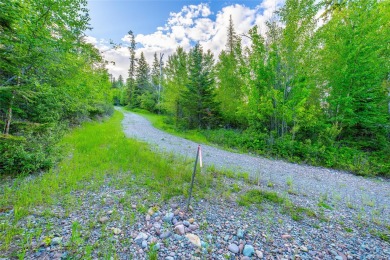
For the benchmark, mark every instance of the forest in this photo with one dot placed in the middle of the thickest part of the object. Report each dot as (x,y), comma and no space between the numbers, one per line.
(314,88)
(50,79)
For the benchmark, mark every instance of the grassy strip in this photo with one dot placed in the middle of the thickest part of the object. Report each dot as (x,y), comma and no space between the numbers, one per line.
(160,122)
(256,197)
(94,152)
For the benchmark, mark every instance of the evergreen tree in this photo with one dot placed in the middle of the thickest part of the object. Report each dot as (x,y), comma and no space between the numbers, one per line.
(130,82)
(144,93)
(198,99)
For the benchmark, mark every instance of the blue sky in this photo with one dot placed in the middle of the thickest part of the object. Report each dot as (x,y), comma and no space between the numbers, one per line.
(112,19)
(162,26)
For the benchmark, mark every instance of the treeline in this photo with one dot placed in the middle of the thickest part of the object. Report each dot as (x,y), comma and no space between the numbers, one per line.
(314,88)
(50,78)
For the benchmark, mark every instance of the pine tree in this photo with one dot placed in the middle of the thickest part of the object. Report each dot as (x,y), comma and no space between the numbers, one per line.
(130,82)
(198,99)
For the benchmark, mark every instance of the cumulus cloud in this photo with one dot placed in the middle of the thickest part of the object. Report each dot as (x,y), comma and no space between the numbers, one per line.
(192,24)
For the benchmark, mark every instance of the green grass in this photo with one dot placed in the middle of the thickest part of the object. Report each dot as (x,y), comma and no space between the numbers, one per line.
(257,197)
(94,153)
(161,122)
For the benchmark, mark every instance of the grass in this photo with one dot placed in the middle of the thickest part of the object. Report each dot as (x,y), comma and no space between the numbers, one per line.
(257,197)
(93,153)
(161,122)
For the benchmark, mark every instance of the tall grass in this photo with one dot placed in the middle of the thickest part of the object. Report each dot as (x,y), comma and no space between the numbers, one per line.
(93,153)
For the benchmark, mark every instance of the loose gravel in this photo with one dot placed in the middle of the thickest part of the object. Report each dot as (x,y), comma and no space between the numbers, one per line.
(315,183)
(120,219)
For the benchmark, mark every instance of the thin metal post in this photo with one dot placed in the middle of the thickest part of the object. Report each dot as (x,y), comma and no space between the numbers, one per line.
(193,178)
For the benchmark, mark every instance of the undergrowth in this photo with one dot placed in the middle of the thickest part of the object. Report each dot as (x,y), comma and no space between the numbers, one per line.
(94,152)
(322,152)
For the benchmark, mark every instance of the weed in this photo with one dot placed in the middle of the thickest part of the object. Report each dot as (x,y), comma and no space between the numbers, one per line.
(152,253)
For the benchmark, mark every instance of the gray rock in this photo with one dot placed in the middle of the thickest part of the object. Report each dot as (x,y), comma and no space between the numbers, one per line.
(259,254)
(186,223)
(56,241)
(165,235)
(240,233)
(248,250)
(103,219)
(338,258)
(141,237)
(180,230)
(144,244)
(156,246)
(168,217)
(169,258)
(177,237)
(193,227)
(233,248)
(174,221)
(157,225)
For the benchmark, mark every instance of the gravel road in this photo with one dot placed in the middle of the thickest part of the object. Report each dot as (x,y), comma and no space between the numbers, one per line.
(370,195)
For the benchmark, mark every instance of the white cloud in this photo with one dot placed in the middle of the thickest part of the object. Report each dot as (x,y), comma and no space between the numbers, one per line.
(191,24)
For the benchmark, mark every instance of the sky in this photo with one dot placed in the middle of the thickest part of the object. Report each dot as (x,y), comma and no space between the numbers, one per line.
(162,26)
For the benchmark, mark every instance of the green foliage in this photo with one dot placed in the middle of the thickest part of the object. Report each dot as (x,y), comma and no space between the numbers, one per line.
(199,107)
(50,77)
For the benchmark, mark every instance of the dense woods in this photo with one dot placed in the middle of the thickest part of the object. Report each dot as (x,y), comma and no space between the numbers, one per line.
(314,88)
(50,78)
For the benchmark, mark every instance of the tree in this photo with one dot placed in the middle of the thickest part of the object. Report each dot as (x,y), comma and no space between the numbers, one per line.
(176,78)
(355,63)
(230,83)
(130,82)
(144,93)
(198,99)
(49,78)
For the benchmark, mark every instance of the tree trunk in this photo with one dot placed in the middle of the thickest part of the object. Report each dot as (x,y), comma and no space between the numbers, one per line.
(9,115)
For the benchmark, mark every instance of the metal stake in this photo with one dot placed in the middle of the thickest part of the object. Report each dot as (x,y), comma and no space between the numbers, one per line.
(193,178)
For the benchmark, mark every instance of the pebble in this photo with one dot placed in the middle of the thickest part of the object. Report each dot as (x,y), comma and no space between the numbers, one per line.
(240,233)
(179,229)
(165,235)
(259,254)
(144,244)
(56,241)
(150,211)
(141,237)
(194,239)
(168,217)
(304,248)
(193,227)
(248,250)
(103,219)
(233,248)
(116,231)
(191,220)
(186,223)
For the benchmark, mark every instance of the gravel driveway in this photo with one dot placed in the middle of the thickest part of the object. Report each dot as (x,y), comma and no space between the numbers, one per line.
(313,183)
